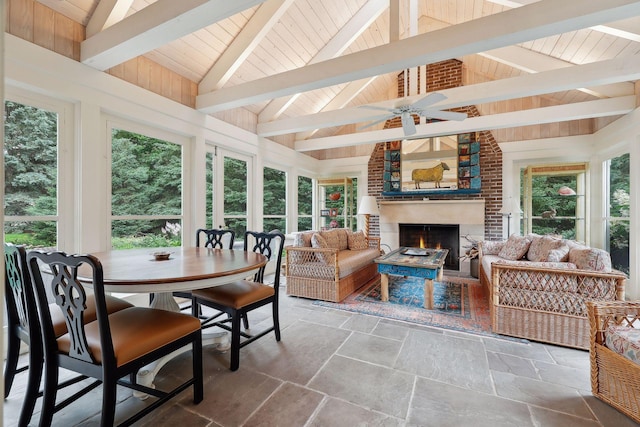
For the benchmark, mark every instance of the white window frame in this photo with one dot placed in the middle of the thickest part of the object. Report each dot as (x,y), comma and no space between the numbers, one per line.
(312,215)
(65,161)
(218,191)
(122,124)
(284,216)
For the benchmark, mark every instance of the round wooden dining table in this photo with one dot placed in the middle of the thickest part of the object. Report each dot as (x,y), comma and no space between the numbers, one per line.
(188,268)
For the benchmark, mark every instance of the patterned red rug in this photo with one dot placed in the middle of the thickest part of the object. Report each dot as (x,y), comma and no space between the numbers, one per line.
(460,304)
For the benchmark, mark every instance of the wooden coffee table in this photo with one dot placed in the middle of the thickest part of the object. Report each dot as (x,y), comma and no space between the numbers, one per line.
(413,262)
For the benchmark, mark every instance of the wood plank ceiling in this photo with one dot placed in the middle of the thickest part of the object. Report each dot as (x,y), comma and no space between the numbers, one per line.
(297,71)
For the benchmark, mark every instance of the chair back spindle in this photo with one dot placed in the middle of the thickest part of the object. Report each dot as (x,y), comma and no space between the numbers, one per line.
(216,238)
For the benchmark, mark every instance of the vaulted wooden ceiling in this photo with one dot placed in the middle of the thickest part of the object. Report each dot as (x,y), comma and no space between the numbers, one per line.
(301,69)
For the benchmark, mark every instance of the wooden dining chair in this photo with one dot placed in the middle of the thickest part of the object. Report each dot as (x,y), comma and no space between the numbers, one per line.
(238,298)
(110,349)
(216,238)
(23,326)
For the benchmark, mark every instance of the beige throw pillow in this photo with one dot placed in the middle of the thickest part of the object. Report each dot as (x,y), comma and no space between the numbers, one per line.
(357,241)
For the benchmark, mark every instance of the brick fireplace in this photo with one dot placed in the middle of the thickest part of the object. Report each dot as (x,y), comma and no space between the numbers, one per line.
(443,75)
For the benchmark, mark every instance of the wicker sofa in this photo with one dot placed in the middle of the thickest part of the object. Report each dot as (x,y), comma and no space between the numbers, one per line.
(614,354)
(539,291)
(330,265)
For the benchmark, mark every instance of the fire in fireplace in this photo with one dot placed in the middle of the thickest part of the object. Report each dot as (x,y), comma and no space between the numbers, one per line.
(436,236)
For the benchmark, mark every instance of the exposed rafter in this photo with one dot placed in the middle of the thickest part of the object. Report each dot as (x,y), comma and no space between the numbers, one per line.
(597,73)
(626,28)
(347,34)
(107,13)
(558,113)
(154,26)
(534,62)
(534,21)
(243,44)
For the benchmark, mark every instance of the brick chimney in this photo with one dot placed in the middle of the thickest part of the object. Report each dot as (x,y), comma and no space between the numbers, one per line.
(445,75)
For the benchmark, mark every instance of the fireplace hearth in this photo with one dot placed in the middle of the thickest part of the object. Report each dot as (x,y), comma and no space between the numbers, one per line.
(436,236)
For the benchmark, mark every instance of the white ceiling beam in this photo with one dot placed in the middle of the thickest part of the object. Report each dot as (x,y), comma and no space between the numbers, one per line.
(362,19)
(267,15)
(343,98)
(538,20)
(596,73)
(157,24)
(627,28)
(558,113)
(107,13)
(534,62)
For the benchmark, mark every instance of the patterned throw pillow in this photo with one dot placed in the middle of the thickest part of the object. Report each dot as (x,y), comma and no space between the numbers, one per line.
(357,241)
(559,254)
(492,247)
(547,248)
(591,259)
(515,248)
(317,241)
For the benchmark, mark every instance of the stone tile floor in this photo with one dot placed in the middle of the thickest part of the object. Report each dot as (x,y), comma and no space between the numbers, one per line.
(334,368)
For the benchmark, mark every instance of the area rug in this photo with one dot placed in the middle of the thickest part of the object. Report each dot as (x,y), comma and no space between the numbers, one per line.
(460,304)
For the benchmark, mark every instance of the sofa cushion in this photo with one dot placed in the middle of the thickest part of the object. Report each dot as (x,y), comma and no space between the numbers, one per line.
(591,259)
(515,248)
(357,241)
(352,261)
(318,241)
(624,340)
(547,248)
(336,238)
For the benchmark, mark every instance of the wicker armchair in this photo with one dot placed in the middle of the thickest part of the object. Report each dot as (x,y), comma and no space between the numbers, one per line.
(614,379)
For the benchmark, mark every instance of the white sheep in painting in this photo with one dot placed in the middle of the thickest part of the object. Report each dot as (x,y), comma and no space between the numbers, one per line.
(431,174)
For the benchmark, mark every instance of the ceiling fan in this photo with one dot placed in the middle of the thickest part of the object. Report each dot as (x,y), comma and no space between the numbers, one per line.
(420,107)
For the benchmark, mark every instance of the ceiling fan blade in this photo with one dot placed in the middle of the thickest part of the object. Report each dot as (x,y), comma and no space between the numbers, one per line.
(443,115)
(374,107)
(408,125)
(384,119)
(432,98)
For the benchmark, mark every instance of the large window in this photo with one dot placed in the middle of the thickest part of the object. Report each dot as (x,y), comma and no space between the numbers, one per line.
(617,211)
(275,200)
(236,179)
(305,203)
(31,176)
(146,191)
(210,191)
(555,200)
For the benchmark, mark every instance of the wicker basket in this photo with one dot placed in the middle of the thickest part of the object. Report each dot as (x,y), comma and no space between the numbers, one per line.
(614,379)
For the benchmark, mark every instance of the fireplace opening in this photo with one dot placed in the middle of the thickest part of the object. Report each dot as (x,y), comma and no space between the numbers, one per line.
(434,236)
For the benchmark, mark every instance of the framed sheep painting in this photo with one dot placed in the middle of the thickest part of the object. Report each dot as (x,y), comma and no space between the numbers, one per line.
(442,164)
